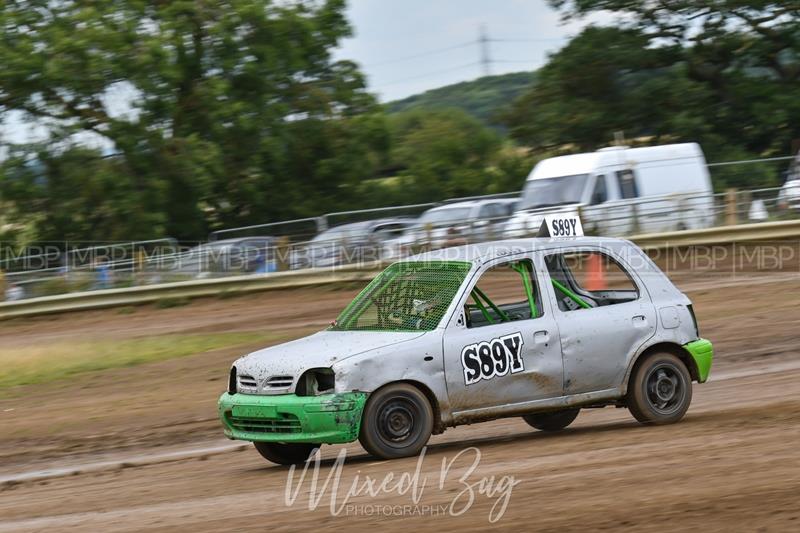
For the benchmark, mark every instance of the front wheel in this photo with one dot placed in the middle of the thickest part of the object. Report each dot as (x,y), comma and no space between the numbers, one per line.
(285,454)
(552,421)
(660,390)
(397,422)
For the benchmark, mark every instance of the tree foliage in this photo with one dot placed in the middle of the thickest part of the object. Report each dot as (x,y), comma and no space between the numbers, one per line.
(444,153)
(233,112)
(724,73)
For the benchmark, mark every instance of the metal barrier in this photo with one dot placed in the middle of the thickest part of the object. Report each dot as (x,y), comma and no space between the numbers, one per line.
(301,227)
(77,268)
(359,215)
(770,231)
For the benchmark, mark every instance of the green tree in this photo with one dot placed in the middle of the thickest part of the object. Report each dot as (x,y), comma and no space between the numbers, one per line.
(444,153)
(743,55)
(663,78)
(232,112)
(76,195)
(606,80)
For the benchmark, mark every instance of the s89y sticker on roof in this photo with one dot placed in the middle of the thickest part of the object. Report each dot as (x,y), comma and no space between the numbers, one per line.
(495,358)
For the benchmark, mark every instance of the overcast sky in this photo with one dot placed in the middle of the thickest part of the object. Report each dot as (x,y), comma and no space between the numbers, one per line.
(387,31)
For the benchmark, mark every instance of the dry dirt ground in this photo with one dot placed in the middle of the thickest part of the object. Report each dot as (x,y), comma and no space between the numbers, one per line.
(732,465)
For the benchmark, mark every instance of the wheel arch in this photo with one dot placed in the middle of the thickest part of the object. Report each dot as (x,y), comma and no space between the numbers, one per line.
(438,425)
(662,347)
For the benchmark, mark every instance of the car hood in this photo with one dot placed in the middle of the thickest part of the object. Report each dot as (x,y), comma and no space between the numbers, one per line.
(320,350)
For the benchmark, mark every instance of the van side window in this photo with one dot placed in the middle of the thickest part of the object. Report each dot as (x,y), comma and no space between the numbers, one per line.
(627,184)
(600,193)
(586,280)
(504,293)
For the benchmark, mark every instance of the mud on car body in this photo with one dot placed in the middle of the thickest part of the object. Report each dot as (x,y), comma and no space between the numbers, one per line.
(537,328)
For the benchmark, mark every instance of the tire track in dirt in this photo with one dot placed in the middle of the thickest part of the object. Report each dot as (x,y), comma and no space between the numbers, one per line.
(730,465)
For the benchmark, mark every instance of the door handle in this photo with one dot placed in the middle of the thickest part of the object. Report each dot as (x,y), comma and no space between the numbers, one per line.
(639,319)
(541,337)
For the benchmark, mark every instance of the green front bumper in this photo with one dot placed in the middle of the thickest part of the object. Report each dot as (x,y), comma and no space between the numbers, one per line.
(327,419)
(702,352)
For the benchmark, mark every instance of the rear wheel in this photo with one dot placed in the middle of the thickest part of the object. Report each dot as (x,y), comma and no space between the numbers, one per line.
(397,422)
(285,454)
(552,421)
(660,390)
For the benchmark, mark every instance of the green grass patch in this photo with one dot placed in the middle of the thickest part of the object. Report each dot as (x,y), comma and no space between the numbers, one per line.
(169,303)
(42,363)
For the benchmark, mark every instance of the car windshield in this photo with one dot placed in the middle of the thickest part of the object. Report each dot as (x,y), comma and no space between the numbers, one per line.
(444,216)
(407,296)
(550,192)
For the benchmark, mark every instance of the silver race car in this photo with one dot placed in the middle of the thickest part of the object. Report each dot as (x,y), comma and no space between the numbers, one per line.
(537,328)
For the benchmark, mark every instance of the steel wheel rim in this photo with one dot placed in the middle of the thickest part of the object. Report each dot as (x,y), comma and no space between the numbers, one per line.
(665,388)
(398,421)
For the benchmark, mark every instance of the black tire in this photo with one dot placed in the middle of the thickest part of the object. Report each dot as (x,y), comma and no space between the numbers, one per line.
(397,422)
(660,390)
(285,454)
(552,421)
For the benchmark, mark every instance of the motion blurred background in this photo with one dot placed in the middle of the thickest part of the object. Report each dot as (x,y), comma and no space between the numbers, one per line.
(134,132)
(145,141)
(144,120)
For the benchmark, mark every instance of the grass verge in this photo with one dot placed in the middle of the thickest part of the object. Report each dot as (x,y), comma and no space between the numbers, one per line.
(42,363)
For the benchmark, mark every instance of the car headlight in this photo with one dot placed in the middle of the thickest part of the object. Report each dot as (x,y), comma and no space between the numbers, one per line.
(315,382)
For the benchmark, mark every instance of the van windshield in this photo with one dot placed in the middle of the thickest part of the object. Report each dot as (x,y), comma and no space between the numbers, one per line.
(550,192)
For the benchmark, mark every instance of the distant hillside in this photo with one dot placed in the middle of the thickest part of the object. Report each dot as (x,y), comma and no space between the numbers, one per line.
(482,98)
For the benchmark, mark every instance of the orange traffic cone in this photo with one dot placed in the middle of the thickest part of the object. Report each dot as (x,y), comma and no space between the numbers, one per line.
(595,274)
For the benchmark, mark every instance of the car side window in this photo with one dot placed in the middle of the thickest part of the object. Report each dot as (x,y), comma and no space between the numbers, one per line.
(504,293)
(627,184)
(600,193)
(585,280)
(388,231)
(500,211)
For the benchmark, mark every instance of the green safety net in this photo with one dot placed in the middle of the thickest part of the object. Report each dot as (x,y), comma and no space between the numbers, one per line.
(409,296)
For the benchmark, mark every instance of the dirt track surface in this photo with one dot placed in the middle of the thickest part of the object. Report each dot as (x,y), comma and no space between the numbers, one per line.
(731,465)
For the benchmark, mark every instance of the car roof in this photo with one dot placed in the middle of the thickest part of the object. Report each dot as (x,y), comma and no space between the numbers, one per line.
(365,224)
(472,203)
(480,253)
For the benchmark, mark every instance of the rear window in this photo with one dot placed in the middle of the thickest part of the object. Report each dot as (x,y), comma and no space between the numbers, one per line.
(408,296)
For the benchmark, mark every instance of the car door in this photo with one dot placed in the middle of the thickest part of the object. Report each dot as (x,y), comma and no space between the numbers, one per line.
(491,360)
(604,315)
(615,216)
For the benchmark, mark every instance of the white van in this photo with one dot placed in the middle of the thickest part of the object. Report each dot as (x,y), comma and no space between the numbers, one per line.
(620,191)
